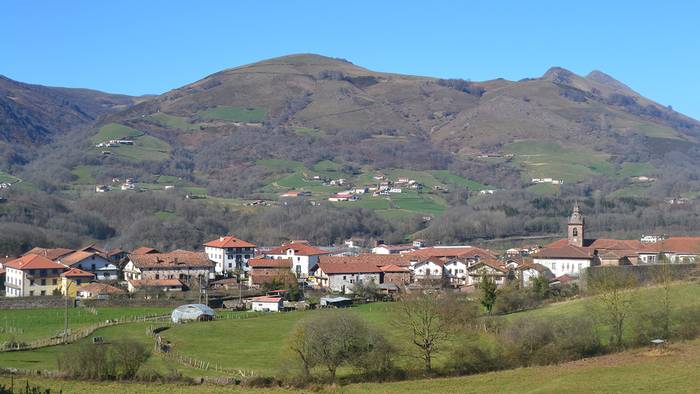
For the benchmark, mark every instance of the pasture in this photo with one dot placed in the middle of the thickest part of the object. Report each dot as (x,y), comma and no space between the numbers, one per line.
(30,324)
(234,114)
(172,121)
(113,131)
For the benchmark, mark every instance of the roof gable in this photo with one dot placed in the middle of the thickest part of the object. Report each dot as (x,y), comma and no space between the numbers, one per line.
(229,241)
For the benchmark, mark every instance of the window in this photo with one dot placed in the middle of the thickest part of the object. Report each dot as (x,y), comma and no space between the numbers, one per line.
(31,282)
(554,266)
(31,293)
(43,292)
(54,281)
(157,276)
(344,277)
(575,232)
(43,283)
(77,281)
(42,272)
(92,267)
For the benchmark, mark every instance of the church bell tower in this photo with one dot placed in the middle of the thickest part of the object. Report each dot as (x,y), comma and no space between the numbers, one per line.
(575,227)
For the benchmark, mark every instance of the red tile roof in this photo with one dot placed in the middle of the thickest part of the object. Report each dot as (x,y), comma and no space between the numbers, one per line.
(156,283)
(451,251)
(51,254)
(229,241)
(689,245)
(564,252)
(375,259)
(267,299)
(144,250)
(100,288)
(270,263)
(75,257)
(77,273)
(392,268)
(342,265)
(33,261)
(600,243)
(178,258)
(301,248)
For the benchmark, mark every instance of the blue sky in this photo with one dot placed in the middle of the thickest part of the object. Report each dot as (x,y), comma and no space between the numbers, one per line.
(139,47)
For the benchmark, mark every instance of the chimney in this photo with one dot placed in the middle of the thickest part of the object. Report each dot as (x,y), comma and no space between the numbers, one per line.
(221,239)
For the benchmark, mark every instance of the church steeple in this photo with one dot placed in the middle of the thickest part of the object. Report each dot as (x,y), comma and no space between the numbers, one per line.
(576,227)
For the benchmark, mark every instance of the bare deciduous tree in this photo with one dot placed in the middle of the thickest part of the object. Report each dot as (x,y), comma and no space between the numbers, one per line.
(420,316)
(614,289)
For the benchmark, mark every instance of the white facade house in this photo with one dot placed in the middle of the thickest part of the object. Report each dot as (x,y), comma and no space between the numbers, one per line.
(343,277)
(267,304)
(304,257)
(563,264)
(430,269)
(456,272)
(392,249)
(229,253)
(100,266)
(32,275)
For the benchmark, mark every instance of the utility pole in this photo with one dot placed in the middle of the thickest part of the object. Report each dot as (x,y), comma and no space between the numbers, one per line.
(65,315)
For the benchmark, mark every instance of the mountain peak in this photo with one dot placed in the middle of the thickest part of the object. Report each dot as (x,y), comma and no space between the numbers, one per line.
(612,83)
(559,75)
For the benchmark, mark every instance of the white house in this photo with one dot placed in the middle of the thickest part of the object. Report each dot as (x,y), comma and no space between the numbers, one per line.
(392,249)
(32,275)
(304,256)
(229,253)
(567,259)
(428,269)
(192,268)
(95,263)
(342,276)
(267,304)
(456,272)
(487,267)
(526,272)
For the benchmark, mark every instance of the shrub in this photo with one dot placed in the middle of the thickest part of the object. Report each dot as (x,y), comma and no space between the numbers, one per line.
(120,360)
(513,299)
(476,355)
(687,323)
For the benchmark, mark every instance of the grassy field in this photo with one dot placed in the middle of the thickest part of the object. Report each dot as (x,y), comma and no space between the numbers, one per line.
(545,159)
(172,121)
(257,344)
(113,131)
(631,371)
(235,114)
(7,178)
(85,175)
(31,324)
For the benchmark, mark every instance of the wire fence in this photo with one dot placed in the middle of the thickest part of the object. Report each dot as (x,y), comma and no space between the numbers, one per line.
(78,334)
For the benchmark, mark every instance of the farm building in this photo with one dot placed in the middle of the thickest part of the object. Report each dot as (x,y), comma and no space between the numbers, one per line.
(335,302)
(267,304)
(192,312)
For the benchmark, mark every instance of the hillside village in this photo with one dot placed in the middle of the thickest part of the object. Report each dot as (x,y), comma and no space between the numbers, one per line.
(347,270)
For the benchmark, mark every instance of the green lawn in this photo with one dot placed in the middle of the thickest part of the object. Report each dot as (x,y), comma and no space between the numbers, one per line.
(257,344)
(635,169)
(85,175)
(46,323)
(235,114)
(7,178)
(172,121)
(308,131)
(452,179)
(113,131)
(165,215)
(632,371)
(145,148)
(545,159)
(546,189)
